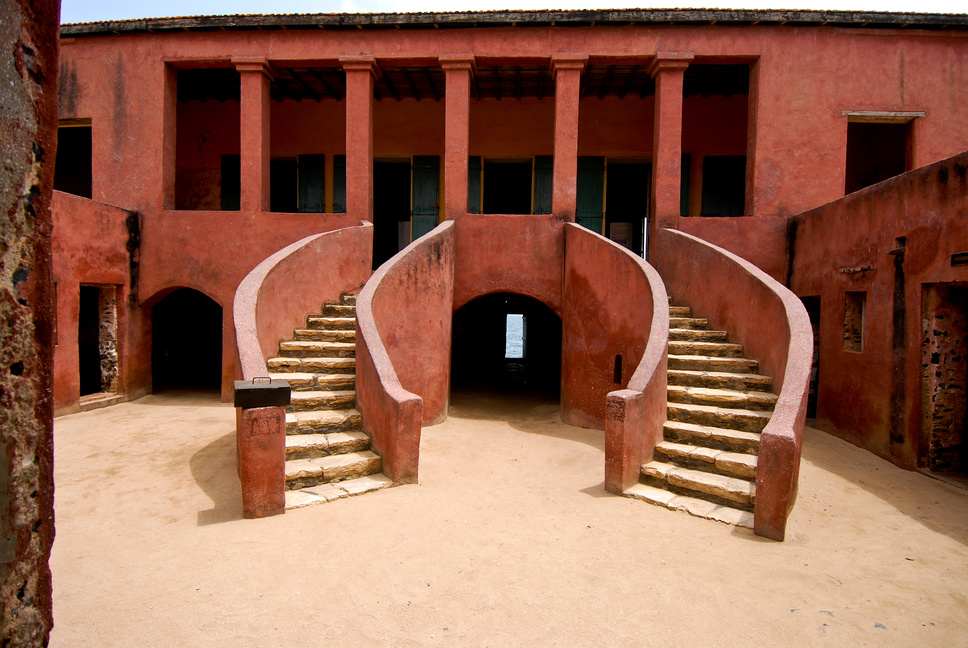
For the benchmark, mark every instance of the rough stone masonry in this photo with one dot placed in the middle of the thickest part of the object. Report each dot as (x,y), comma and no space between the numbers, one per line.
(28,122)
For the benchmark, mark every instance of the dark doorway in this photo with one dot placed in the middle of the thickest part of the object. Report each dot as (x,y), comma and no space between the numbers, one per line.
(97,340)
(875,152)
(391,209)
(88,354)
(520,354)
(283,185)
(186,342)
(723,185)
(507,187)
(72,170)
(627,202)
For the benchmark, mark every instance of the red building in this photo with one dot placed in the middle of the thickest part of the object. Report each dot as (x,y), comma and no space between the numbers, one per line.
(816,146)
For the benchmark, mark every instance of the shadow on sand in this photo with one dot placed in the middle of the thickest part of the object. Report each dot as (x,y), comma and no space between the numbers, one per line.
(213,468)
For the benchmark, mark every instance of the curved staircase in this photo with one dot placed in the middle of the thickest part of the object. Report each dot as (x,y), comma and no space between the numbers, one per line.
(717,406)
(328,455)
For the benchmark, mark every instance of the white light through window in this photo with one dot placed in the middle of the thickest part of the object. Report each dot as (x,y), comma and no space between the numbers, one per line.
(514,336)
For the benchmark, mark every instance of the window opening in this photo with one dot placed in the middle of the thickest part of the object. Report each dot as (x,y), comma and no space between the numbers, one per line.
(514,336)
(627,197)
(283,185)
(391,209)
(72,169)
(854,303)
(875,152)
(812,305)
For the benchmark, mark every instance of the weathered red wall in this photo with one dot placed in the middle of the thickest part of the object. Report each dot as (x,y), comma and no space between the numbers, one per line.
(761,240)
(773,327)
(929,207)
(518,254)
(607,311)
(90,243)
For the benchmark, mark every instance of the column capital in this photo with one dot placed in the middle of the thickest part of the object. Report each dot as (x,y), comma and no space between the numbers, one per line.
(253,64)
(568,61)
(458,62)
(359,63)
(667,61)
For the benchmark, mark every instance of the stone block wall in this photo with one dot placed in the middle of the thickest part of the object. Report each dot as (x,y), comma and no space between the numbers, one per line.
(28,94)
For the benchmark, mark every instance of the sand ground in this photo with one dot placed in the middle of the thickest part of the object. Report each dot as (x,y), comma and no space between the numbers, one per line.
(509,540)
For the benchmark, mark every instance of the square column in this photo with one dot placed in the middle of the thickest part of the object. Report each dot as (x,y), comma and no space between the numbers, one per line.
(360,71)
(254,144)
(458,70)
(566,69)
(668,69)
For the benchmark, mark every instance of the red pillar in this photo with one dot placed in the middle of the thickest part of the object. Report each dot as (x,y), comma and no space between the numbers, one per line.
(457,74)
(566,69)
(359,135)
(668,70)
(256,76)
(261,447)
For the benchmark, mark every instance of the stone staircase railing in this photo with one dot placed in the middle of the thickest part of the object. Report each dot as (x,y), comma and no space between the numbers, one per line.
(774,328)
(403,340)
(270,302)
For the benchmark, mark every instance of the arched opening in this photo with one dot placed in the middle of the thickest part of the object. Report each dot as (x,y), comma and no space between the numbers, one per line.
(186,342)
(508,343)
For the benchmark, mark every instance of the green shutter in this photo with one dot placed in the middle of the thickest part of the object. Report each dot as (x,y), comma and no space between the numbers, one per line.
(311,183)
(543,167)
(591,193)
(339,184)
(426,194)
(474,169)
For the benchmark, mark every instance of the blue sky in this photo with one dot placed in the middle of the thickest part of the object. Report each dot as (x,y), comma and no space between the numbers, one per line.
(99,10)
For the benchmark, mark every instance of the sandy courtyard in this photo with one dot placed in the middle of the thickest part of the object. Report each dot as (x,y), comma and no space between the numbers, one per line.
(509,540)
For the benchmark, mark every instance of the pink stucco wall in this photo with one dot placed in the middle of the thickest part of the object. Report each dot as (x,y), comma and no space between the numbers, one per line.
(607,312)
(928,206)
(90,245)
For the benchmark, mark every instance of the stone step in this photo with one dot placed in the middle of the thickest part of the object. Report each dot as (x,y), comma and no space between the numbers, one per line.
(302,401)
(680,311)
(310,446)
(339,310)
(321,335)
(720,380)
(311,349)
(712,363)
(692,505)
(698,335)
(718,489)
(722,462)
(702,348)
(348,299)
(316,421)
(753,400)
(322,493)
(688,322)
(314,381)
(724,417)
(738,441)
(330,323)
(312,365)
(310,472)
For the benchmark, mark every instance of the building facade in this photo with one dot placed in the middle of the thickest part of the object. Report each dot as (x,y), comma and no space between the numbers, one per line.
(191,149)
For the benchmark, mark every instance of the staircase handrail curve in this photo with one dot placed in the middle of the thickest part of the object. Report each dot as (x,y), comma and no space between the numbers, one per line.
(778,461)
(252,359)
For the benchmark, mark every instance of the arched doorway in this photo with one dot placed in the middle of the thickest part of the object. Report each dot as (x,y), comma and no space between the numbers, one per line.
(508,343)
(186,342)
